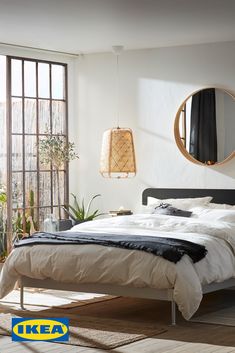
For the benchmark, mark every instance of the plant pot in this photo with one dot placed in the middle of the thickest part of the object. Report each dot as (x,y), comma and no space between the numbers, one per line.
(65,224)
(79,222)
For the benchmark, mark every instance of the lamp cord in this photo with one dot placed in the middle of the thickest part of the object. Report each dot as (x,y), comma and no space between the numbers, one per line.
(117,89)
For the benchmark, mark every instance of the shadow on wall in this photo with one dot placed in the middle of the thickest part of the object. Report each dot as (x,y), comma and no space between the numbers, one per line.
(227,169)
(170,76)
(197,65)
(153,151)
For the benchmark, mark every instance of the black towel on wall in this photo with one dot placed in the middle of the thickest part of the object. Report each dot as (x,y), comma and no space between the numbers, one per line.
(203,135)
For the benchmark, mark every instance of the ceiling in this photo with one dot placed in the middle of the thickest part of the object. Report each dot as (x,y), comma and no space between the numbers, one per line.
(87,26)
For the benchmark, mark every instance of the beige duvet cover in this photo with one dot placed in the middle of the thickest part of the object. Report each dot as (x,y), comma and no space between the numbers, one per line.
(108,265)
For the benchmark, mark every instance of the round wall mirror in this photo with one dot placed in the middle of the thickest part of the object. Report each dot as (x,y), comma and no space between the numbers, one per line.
(205,126)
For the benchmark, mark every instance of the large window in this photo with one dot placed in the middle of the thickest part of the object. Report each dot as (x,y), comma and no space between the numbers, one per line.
(36,105)
(3,134)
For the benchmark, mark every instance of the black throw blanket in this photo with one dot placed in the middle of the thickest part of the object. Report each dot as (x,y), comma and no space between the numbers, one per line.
(169,248)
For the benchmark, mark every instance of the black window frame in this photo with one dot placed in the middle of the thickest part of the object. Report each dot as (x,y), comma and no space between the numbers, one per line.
(38,134)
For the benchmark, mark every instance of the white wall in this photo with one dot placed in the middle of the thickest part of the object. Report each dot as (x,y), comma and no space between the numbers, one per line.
(153,84)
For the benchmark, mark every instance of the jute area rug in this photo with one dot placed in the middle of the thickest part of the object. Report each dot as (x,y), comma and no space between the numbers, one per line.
(89,331)
(220,317)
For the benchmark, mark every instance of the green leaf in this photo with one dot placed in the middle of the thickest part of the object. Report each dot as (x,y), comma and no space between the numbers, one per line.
(83,210)
(65,208)
(75,212)
(3,197)
(89,204)
(76,205)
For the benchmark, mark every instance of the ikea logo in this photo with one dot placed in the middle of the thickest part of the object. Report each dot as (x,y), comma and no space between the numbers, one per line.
(55,329)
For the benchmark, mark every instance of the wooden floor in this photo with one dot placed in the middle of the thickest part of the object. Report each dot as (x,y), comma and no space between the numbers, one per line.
(186,337)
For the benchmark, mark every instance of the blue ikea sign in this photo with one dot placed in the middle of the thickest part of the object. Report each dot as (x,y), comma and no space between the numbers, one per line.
(48,329)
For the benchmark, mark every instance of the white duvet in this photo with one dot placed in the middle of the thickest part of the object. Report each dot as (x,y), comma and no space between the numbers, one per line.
(109,265)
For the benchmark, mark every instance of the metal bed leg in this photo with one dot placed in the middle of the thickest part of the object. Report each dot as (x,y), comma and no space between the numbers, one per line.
(173,313)
(22,297)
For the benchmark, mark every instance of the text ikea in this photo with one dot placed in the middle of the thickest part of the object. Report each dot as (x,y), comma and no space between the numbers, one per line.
(28,329)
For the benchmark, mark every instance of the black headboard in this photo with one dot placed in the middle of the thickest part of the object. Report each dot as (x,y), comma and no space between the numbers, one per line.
(219,195)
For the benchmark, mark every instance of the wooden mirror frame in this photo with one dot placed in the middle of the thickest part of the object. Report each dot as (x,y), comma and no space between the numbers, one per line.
(177,131)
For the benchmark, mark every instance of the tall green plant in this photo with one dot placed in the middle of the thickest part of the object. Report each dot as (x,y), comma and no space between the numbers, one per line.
(55,149)
(31,203)
(29,214)
(17,222)
(80,212)
(3,232)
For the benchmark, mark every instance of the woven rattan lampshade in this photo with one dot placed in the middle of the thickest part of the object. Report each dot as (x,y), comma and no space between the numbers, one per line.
(118,154)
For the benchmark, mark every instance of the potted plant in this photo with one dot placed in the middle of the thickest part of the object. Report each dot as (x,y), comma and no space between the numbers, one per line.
(25,225)
(55,149)
(80,213)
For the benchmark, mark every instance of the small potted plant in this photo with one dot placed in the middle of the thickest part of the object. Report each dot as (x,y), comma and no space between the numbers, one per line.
(80,213)
(3,232)
(55,149)
(23,222)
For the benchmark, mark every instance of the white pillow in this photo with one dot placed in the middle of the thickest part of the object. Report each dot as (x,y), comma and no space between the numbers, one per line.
(214,215)
(183,204)
(221,206)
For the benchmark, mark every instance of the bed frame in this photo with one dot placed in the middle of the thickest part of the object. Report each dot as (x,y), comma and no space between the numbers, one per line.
(219,196)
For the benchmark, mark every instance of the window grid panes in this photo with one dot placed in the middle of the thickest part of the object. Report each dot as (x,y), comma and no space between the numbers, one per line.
(38,107)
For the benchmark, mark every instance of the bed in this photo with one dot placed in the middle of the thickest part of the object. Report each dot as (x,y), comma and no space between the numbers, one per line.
(17,266)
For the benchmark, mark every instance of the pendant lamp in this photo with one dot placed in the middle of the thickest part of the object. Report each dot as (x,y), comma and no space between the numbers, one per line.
(117,152)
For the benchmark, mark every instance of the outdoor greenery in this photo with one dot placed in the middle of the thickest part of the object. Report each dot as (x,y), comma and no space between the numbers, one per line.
(3,233)
(30,222)
(18,228)
(80,213)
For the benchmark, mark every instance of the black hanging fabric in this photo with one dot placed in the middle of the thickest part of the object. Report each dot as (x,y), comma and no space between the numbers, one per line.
(203,135)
